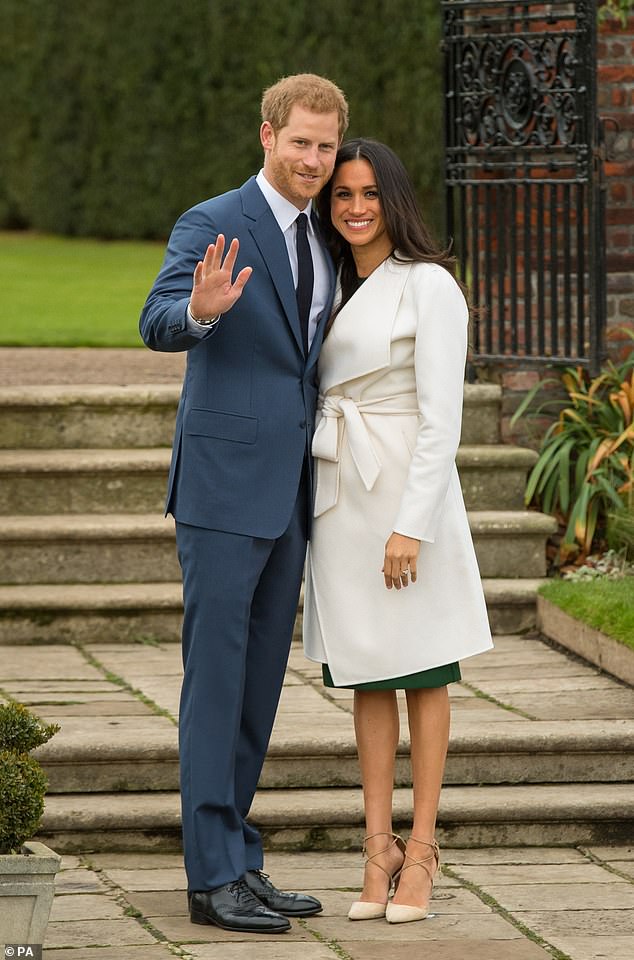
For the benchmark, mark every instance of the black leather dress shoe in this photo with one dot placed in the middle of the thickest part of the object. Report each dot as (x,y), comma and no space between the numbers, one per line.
(288,904)
(234,907)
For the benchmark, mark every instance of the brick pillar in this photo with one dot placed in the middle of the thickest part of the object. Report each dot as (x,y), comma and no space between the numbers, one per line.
(615,83)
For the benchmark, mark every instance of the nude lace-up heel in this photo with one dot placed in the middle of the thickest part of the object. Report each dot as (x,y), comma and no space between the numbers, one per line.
(402,913)
(367,910)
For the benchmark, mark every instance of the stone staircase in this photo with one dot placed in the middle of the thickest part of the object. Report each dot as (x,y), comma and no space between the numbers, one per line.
(87,553)
(90,606)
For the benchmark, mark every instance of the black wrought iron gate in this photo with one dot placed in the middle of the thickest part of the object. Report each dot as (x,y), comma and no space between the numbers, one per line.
(524,167)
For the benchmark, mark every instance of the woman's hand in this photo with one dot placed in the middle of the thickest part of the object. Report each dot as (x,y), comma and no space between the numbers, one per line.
(399,564)
(214,290)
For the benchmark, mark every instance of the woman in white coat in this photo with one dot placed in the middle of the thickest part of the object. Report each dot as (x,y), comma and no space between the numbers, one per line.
(381,613)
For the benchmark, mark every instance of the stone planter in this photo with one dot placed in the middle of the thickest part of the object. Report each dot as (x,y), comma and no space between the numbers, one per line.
(585,641)
(27,887)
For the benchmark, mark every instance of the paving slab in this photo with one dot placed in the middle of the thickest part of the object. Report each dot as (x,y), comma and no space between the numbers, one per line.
(67,685)
(93,708)
(159,903)
(132,861)
(56,697)
(448,950)
(438,926)
(624,866)
(563,896)
(136,880)
(155,951)
(52,662)
(85,906)
(514,855)
(538,873)
(596,948)
(476,674)
(612,853)
(79,880)
(281,949)
(569,706)
(596,923)
(181,930)
(552,685)
(108,933)
(478,710)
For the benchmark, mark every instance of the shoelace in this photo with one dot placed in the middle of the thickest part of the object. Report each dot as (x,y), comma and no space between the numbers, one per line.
(264,877)
(240,890)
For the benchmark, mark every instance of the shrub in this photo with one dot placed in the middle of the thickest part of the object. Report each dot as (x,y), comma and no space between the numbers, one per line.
(116,117)
(585,471)
(22,780)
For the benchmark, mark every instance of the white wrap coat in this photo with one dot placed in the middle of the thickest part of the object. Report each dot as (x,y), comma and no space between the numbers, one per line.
(391,376)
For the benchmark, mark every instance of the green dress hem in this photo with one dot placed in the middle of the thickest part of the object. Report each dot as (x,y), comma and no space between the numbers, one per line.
(435,677)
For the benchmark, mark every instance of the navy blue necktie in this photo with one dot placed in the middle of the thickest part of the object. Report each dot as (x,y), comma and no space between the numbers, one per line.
(305,276)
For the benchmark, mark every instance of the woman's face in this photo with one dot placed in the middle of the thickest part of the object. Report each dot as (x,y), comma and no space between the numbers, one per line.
(355,211)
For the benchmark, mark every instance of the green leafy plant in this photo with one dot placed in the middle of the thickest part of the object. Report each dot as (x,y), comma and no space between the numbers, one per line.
(616,10)
(585,471)
(22,780)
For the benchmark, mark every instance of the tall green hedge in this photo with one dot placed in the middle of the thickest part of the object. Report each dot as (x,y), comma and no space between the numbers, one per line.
(116,115)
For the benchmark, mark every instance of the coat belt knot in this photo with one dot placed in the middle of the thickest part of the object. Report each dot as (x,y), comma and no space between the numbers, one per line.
(327,440)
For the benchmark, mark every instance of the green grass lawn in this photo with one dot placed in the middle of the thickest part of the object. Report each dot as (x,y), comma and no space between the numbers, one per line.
(69,292)
(606,605)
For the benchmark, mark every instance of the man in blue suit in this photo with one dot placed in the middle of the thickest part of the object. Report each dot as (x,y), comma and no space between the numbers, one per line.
(240,480)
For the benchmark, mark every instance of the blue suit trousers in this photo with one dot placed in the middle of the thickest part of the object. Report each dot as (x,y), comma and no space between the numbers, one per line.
(240,598)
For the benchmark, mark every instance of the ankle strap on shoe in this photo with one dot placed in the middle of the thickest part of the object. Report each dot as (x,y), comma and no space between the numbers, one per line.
(395,838)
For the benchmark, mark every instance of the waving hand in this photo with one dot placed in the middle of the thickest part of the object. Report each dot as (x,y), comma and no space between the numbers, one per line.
(214,291)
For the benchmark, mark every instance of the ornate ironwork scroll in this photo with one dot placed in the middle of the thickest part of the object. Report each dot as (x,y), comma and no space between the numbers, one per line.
(524,176)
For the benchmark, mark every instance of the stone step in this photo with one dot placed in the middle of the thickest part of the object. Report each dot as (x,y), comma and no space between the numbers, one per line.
(134,480)
(511,543)
(133,547)
(100,757)
(83,481)
(87,415)
(143,415)
(481,409)
(85,613)
(332,819)
(113,612)
(494,476)
(88,548)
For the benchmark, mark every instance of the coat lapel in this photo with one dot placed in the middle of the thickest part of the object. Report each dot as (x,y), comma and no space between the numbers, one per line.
(360,339)
(269,240)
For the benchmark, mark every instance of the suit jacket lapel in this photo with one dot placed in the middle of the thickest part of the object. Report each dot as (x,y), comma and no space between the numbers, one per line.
(270,241)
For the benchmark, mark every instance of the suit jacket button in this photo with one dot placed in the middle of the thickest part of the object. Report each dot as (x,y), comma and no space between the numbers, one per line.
(302,425)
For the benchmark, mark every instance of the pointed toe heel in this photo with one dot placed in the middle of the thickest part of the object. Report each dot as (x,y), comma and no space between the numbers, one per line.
(406,913)
(364,910)
(401,913)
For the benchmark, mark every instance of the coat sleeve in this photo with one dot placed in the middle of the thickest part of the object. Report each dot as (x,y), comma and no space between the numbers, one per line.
(440,355)
(163,324)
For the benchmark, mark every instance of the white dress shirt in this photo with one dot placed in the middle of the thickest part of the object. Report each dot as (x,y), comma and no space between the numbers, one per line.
(286,214)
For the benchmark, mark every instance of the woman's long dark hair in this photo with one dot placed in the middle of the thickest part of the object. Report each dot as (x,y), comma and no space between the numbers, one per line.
(411,240)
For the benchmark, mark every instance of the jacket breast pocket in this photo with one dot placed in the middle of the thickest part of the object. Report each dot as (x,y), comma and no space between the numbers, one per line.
(221,426)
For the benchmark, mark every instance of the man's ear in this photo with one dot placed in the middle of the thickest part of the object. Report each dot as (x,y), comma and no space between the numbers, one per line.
(267,135)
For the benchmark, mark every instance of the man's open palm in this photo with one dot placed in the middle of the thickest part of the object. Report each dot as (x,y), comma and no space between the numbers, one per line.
(214,291)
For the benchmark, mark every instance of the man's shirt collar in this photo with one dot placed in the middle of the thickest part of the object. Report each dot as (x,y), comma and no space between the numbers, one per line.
(283,210)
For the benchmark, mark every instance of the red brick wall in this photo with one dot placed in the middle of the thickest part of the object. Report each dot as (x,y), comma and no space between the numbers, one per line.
(615,83)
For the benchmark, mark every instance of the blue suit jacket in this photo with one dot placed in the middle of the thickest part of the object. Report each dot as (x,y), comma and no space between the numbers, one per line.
(246,413)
